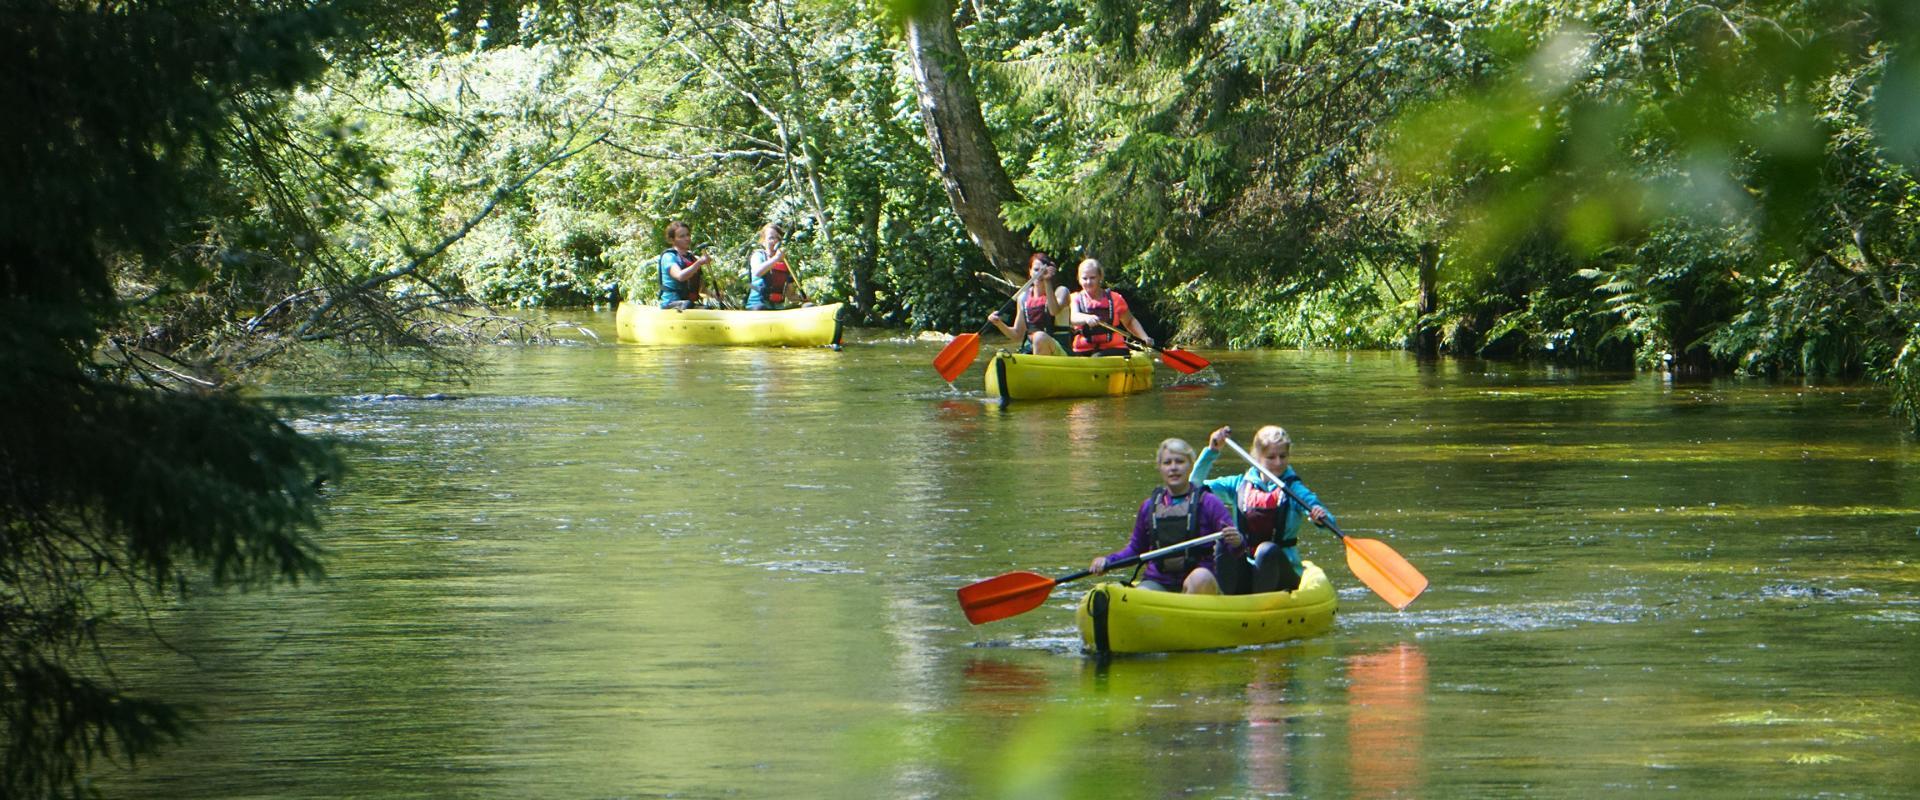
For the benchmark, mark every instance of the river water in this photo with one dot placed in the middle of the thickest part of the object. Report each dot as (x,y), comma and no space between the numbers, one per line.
(617,571)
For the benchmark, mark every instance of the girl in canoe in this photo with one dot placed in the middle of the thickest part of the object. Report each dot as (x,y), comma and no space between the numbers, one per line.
(769,274)
(1262,512)
(1094,306)
(681,274)
(1034,310)
(1175,513)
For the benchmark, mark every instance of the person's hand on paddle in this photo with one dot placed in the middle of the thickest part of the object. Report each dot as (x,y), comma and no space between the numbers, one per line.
(1218,440)
(1318,515)
(1232,538)
(1099,566)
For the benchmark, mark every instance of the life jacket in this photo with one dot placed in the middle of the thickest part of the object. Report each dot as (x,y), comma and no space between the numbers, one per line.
(672,290)
(771,288)
(1261,513)
(1173,525)
(1088,338)
(1035,307)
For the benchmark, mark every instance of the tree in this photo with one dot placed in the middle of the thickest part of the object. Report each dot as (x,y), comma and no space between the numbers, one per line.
(963,150)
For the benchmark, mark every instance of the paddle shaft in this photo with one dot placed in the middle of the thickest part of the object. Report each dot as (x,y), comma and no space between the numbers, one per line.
(1282,484)
(1148,556)
(1019,592)
(1185,361)
(1121,564)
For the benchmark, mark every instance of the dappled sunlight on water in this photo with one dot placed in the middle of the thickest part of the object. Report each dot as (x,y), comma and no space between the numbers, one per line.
(624,571)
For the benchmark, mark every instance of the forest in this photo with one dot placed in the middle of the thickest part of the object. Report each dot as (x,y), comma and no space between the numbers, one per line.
(201,194)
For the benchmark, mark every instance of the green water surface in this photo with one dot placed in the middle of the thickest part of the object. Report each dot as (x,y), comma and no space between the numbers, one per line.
(618,571)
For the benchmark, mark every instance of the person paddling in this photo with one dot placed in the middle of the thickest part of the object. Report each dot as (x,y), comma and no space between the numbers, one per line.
(1036,306)
(681,273)
(1268,519)
(769,273)
(1172,514)
(1095,305)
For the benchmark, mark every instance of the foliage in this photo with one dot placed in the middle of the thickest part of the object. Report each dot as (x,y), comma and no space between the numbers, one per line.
(1735,179)
(206,189)
(114,492)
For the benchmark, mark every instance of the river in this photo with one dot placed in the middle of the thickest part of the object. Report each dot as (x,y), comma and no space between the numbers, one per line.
(618,571)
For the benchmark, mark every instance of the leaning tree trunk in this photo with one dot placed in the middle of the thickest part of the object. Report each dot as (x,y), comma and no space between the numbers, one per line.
(964,154)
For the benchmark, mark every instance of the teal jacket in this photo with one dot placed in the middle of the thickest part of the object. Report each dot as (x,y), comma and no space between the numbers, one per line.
(672,290)
(1228,490)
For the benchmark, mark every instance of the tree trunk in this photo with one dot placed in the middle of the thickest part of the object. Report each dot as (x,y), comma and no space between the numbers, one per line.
(1426,337)
(866,258)
(969,165)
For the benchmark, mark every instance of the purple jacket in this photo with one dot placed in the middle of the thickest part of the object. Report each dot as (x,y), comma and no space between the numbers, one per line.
(1213,516)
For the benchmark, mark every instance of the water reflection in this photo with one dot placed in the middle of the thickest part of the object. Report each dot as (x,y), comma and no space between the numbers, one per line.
(1386,723)
(625,571)
(1264,736)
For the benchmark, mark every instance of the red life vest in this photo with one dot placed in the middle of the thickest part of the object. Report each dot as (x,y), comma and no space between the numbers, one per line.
(1035,307)
(1088,338)
(1260,512)
(773,284)
(689,289)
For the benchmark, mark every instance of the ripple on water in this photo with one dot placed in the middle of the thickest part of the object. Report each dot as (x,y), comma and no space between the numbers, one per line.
(805,566)
(1526,617)
(1056,642)
(1801,591)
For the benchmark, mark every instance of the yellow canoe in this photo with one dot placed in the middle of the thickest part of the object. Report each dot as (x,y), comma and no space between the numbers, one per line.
(1012,376)
(1118,618)
(792,327)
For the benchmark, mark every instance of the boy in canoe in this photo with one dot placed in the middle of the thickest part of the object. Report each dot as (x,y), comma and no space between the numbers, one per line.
(1263,513)
(1175,513)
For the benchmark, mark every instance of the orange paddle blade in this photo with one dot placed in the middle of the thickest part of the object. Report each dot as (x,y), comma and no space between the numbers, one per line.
(957,356)
(1183,361)
(1384,571)
(1005,596)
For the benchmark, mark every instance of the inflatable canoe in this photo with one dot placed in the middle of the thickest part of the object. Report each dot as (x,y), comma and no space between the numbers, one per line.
(791,327)
(1011,376)
(1118,618)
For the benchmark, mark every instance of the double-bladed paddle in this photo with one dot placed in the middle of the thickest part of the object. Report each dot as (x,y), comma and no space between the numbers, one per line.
(1371,560)
(1020,592)
(1174,357)
(960,353)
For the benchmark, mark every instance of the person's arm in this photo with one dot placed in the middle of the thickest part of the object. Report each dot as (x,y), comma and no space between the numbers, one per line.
(1309,504)
(1140,542)
(1080,318)
(681,273)
(1214,517)
(1203,465)
(1127,320)
(759,262)
(1055,296)
(1018,330)
(1013,332)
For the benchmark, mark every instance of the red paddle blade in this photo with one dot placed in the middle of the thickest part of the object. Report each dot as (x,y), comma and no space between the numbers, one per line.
(957,356)
(1384,571)
(1183,361)
(1005,596)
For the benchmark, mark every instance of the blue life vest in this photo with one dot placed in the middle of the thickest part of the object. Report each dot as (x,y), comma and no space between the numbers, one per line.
(672,290)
